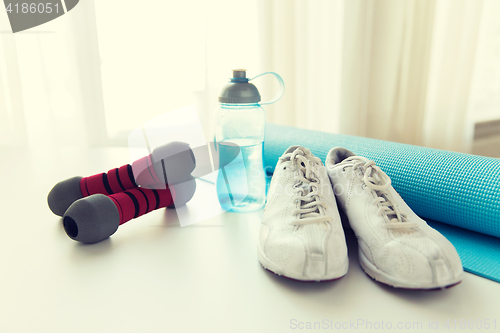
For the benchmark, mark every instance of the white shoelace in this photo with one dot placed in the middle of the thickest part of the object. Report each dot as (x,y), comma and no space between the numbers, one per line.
(378,180)
(311,208)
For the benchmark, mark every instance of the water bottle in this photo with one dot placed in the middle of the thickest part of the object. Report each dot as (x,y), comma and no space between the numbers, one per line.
(240,120)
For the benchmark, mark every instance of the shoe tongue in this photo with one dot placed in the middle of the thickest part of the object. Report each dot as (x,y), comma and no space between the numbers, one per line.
(301,151)
(339,154)
(305,151)
(354,160)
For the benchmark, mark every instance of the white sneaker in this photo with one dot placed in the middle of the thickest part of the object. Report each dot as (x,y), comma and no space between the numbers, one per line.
(301,236)
(396,247)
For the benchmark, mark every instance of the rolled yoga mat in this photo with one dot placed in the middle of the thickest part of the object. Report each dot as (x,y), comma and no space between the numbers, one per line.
(460,190)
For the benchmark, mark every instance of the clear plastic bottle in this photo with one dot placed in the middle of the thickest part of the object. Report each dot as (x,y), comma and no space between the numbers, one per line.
(241,120)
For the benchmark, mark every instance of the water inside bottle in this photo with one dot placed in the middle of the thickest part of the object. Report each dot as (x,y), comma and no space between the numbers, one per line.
(241,185)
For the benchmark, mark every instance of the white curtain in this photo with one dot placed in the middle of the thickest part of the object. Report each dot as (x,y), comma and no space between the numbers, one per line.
(51,92)
(386,69)
(94,74)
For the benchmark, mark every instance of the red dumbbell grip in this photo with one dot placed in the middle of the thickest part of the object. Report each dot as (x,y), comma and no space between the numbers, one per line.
(114,181)
(120,179)
(139,201)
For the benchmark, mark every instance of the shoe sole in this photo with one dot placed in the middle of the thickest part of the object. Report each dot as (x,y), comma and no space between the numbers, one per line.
(388,280)
(275,269)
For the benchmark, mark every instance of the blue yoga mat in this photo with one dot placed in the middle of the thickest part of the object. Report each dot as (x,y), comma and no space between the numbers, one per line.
(460,190)
(480,253)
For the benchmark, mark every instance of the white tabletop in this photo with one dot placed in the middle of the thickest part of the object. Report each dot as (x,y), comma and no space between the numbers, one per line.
(154,276)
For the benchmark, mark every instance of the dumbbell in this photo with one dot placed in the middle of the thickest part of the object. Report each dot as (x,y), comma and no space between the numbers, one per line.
(170,164)
(96,217)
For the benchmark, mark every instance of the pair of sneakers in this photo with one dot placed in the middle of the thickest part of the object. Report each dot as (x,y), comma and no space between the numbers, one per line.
(302,237)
